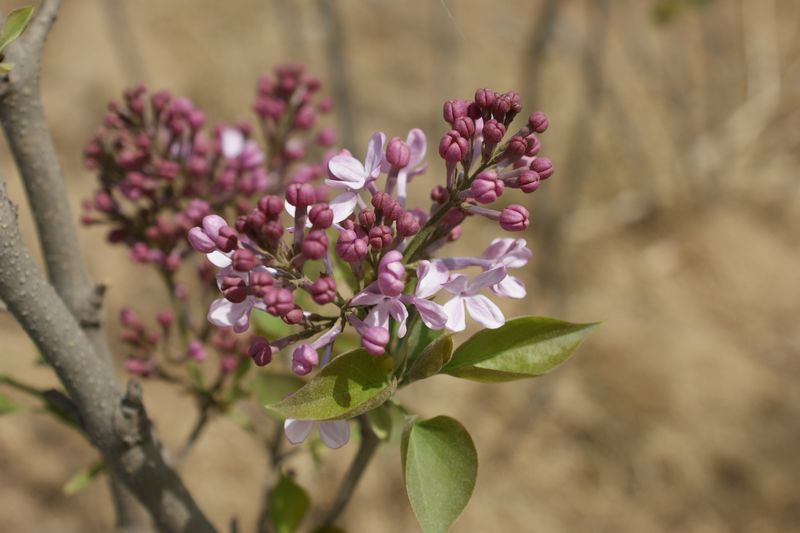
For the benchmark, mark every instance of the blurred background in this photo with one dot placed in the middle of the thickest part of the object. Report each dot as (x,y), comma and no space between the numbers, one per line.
(672,216)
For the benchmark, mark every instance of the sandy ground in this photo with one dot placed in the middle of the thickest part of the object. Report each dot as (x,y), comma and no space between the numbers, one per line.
(682,413)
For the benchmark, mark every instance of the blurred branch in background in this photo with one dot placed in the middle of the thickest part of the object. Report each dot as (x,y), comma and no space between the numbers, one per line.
(124,42)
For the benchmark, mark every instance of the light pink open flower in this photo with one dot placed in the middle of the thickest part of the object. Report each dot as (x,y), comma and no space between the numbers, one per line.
(510,253)
(351,175)
(479,307)
(224,313)
(333,433)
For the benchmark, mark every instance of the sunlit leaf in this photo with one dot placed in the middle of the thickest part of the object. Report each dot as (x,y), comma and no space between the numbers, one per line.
(288,505)
(14,25)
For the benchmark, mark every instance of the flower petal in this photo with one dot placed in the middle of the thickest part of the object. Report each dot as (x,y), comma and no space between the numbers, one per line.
(455,314)
(378,316)
(349,171)
(369,296)
(219,259)
(224,313)
(327,337)
(372,163)
(343,206)
(291,210)
(431,313)
(232,143)
(510,287)
(417,145)
(486,279)
(457,284)
(399,312)
(334,433)
(484,311)
(297,430)
(431,276)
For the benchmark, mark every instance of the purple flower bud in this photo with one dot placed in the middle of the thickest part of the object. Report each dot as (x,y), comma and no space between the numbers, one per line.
(374,339)
(350,247)
(501,106)
(227,239)
(393,213)
(326,137)
(243,260)
(212,224)
(200,241)
(270,205)
(129,319)
(515,102)
(407,225)
(300,194)
(172,262)
(273,231)
(453,217)
(165,318)
(304,358)
(323,291)
(295,316)
(493,132)
(514,218)
(260,351)
(366,218)
(528,181)
(196,351)
(453,147)
(398,153)
(233,288)
(279,301)
(140,367)
(439,194)
(380,237)
(538,122)
(533,145)
(259,283)
(486,188)
(542,166)
(228,364)
(254,221)
(315,244)
(465,126)
(454,234)
(454,109)
(103,202)
(516,147)
(485,98)
(382,201)
(304,118)
(391,274)
(321,216)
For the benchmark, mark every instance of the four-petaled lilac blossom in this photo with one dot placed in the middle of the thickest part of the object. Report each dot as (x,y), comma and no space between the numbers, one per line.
(479,307)
(507,252)
(431,277)
(351,175)
(333,433)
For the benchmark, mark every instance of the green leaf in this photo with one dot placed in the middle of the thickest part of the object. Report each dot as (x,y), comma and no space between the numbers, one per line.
(431,360)
(80,480)
(7,406)
(440,466)
(6,67)
(380,420)
(14,25)
(272,388)
(524,347)
(351,384)
(419,336)
(288,505)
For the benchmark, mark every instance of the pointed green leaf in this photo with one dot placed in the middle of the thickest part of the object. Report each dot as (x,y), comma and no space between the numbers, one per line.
(14,25)
(348,386)
(288,505)
(80,480)
(7,406)
(440,466)
(380,420)
(431,360)
(524,347)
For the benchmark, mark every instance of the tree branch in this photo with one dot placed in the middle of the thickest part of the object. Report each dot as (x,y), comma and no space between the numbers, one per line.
(116,423)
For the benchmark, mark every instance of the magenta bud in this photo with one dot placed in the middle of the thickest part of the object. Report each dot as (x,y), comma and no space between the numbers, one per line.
(270,205)
(465,126)
(172,262)
(200,241)
(366,218)
(398,153)
(391,274)
(130,319)
(380,237)
(538,122)
(259,283)
(453,217)
(315,245)
(228,364)
(279,301)
(542,166)
(260,351)
(233,288)
(454,234)
(227,240)
(304,358)
(533,145)
(528,181)
(350,247)
(501,106)
(486,188)
(382,201)
(514,218)
(493,132)
(321,216)
(374,339)
(165,318)
(212,224)
(304,118)
(485,98)
(516,147)
(454,109)
(323,291)
(407,225)
(326,137)
(300,194)
(295,316)
(140,367)
(439,194)
(243,260)
(453,147)
(515,102)
(393,213)
(196,351)
(103,202)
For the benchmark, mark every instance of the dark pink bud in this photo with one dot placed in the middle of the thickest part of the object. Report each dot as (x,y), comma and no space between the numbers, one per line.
(514,218)
(485,98)
(172,262)
(516,147)
(300,194)
(295,316)
(366,218)
(454,109)
(103,202)
(165,318)
(259,283)
(233,288)
(228,364)
(323,291)
(454,234)
(350,247)
(260,351)
(254,221)
(391,274)
(304,359)
(200,241)
(321,216)
(542,166)
(227,240)
(397,153)
(273,231)
(439,194)
(486,188)
(515,102)
(380,237)
(270,205)
(493,132)
(279,301)
(243,260)
(130,319)
(538,122)
(501,106)
(315,245)
(393,213)
(212,224)
(465,126)
(533,145)
(407,225)
(528,181)
(304,118)
(326,137)
(374,339)
(140,367)
(453,147)
(196,351)
(382,201)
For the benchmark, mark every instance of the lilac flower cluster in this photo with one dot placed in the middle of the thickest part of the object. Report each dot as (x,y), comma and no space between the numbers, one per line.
(282,256)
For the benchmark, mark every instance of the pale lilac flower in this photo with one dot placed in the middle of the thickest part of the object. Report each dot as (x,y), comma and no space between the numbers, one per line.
(224,313)
(417,144)
(351,175)
(507,252)
(333,433)
(232,142)
(431,277)
(479,307)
